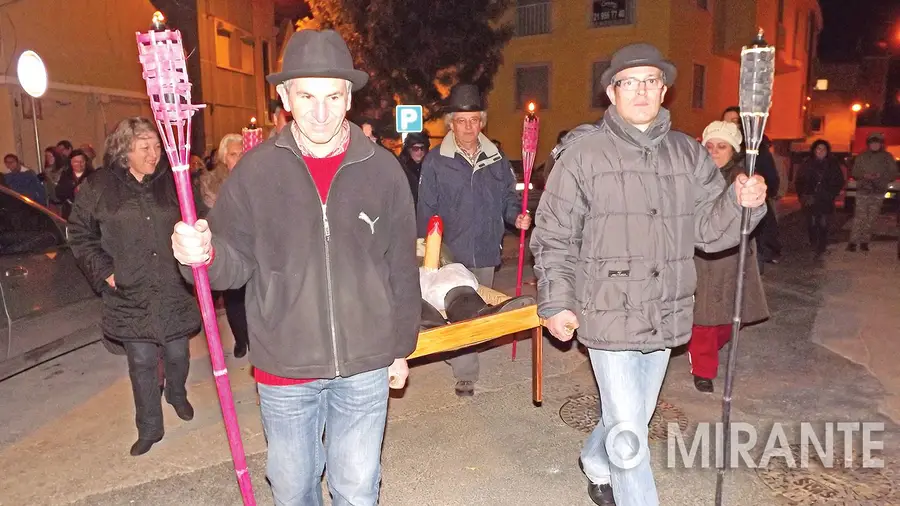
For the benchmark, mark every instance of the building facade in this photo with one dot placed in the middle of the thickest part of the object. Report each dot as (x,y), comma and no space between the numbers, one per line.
(844,96)
(562,47)
(95,77)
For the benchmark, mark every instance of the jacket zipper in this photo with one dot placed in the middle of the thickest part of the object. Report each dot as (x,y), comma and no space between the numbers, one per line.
(327,236)
(472,191)
(337,369)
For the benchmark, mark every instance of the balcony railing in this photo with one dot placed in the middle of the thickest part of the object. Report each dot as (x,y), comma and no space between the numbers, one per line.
(533,19)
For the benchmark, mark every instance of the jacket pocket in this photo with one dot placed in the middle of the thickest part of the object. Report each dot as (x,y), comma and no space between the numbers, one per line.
(615,284)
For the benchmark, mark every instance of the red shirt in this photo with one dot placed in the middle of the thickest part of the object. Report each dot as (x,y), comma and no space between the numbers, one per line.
(322,171)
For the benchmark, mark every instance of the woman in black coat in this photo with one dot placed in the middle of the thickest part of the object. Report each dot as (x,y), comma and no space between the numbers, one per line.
(70,179)
(120,230)
(818,183)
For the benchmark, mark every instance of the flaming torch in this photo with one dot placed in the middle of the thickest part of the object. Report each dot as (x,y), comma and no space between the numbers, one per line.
(251,136)
(161,54)
(530,131)
(755,94)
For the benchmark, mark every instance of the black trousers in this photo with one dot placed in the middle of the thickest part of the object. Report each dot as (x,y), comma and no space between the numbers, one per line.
(817,225)
(767,240)
(236,313)
(143,369)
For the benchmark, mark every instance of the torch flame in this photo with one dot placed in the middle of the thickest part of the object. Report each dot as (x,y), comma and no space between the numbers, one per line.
(531,107)
(158,18)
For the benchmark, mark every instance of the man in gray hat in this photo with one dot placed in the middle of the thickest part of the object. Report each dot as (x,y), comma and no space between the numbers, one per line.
(627,203)
(873,170)
(318,222)
(470,184)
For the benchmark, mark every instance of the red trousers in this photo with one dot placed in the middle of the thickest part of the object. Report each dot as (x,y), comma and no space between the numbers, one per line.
(703,349)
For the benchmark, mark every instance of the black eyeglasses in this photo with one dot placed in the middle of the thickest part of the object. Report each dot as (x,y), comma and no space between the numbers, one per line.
(632,84)
(417,148)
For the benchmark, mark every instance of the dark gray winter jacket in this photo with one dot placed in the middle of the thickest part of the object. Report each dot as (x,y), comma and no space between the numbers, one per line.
(333,289)
(475,203)
(616,229)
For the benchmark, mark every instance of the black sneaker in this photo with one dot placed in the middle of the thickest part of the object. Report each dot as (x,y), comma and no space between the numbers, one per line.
(602,495)
(704,385)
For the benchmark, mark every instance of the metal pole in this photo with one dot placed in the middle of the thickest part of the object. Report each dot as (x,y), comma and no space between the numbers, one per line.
(735,336)
(37,139)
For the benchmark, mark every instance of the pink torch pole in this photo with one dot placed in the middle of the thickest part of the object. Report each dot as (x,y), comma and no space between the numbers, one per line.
(530,131)
(251,136)
(162,57)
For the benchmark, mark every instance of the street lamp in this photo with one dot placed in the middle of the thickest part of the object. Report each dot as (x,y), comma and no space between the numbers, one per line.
(856,107)
(32,76)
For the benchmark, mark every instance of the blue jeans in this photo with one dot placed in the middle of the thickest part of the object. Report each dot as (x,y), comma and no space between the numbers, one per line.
(351,412)
(629,383)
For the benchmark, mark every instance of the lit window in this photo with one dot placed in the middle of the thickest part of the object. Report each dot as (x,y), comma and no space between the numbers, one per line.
(821,85)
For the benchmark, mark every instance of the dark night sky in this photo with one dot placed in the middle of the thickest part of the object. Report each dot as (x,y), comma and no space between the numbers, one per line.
(854,27)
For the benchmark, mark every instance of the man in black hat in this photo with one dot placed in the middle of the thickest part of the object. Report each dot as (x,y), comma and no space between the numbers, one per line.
(627,202)
(873,170)
(470,184)
(318,222)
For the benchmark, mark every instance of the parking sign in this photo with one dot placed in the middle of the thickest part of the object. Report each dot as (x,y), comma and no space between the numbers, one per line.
(409,119)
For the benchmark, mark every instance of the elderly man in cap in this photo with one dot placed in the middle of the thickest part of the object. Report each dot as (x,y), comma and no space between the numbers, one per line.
(470,184)
(873,170)
(318,223)
(626,204)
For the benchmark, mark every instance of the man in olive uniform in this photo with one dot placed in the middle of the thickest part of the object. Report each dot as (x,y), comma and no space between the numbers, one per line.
(873,170)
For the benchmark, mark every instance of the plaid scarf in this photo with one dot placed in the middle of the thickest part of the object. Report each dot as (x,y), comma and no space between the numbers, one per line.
(301,141)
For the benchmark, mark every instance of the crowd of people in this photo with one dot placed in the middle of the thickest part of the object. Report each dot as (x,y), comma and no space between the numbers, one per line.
(311,238)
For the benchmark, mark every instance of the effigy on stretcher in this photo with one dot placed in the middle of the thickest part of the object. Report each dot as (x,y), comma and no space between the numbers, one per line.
(478,330)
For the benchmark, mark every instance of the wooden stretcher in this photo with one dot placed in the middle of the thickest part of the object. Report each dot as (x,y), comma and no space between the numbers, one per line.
(480,330)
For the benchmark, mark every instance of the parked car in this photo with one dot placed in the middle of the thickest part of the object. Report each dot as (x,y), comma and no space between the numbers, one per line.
(890,195)
(48,307)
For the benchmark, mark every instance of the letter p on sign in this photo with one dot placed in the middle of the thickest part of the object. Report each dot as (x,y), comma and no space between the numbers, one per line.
(409,119)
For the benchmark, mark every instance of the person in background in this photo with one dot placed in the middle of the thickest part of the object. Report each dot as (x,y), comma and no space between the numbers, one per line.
(53,169)
(318,223)
(766,233)
(229,153)
(819,181)
(70,180)
(717,273)
(23,180)
(64,149)
(627,203)
(210,160)
(280,117)
(120,230)
(415,147)
(873,170)
(548,165)
(470,184)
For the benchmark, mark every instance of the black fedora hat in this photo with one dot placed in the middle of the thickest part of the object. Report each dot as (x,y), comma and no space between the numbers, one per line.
(638,55)
(464,98)
(314,53)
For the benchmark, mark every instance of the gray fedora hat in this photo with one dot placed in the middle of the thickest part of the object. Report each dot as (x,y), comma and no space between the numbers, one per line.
(464,98)
(638,55)
(314,53)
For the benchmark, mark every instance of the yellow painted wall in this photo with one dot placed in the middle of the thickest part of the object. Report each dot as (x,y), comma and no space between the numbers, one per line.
(570,48)
(95,78)
(681,30)
(233,97)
